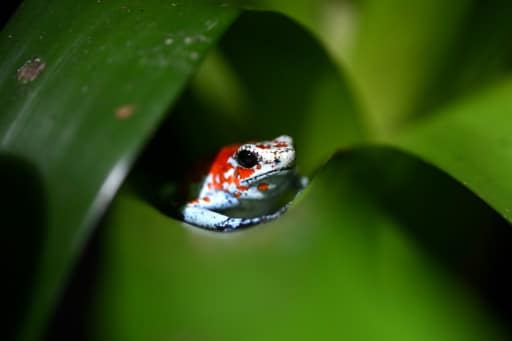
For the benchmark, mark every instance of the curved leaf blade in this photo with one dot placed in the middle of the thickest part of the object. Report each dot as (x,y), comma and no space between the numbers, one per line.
(471,141)
(108,72)
(342,263)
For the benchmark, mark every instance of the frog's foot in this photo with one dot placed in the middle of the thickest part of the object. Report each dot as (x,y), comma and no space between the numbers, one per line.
(219,222)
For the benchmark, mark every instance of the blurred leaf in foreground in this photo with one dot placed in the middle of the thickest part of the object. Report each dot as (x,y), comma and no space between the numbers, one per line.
(471,140)
(344,262)
(106,71)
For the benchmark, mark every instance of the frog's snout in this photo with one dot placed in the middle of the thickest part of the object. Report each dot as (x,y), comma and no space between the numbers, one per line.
(285,139)
(286,159)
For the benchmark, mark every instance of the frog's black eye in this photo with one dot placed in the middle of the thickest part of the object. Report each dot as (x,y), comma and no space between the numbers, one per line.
(246,158)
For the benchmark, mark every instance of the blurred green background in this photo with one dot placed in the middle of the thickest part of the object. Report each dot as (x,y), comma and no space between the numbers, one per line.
(401,114)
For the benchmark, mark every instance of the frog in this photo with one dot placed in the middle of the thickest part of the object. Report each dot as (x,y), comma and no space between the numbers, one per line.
(246,184)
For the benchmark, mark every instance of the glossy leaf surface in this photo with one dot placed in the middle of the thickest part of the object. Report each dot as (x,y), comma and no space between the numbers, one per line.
(108,72)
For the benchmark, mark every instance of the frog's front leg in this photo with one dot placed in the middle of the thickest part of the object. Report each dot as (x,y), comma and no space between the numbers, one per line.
(209,219)
(201,213)
(204,217)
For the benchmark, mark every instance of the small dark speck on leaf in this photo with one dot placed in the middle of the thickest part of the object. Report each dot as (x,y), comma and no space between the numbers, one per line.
(30,70)
(124,111)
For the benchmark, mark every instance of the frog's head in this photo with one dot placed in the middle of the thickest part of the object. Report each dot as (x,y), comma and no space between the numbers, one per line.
(255,163)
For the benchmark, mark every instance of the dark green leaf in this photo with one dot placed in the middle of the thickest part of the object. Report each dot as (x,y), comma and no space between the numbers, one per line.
(471,141)
(82,86)
(351,260)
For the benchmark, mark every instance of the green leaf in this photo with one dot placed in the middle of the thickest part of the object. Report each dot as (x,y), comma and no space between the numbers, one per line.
(399,46)
(478,58)
(351,260)
(82,86)
(410,57)
(471,141)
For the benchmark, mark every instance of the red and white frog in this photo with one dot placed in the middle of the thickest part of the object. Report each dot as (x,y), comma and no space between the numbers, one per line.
(246,185)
